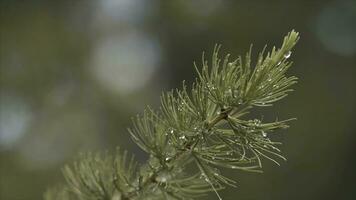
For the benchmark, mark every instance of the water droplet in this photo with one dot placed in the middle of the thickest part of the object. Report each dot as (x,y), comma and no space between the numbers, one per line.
(287,55)
(211,87)
(275,148)
(167,159)
(279,63)
(269,80)
(256,122)
(172,131)
(182,137)
(202,176)
(264,134)
(162,179)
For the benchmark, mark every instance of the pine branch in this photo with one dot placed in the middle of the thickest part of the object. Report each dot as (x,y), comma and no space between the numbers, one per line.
(197,132)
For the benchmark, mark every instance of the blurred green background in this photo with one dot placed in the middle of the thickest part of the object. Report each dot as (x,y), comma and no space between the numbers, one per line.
(74,72)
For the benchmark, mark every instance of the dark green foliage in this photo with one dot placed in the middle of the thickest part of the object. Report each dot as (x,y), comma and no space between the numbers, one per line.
(197,132)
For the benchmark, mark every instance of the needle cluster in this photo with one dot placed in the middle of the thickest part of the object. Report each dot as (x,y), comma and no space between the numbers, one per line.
(198,131)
